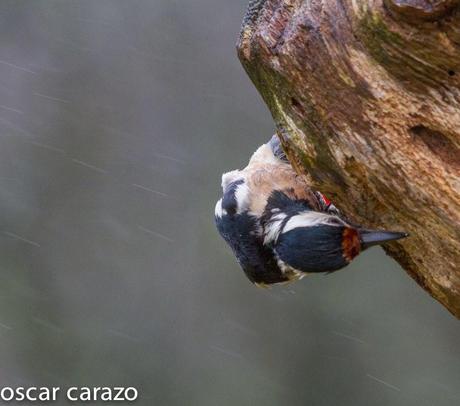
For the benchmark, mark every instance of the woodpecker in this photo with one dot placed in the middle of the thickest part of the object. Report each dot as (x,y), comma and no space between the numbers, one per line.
(279,228)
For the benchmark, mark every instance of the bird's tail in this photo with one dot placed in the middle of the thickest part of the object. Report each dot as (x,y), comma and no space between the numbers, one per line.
(370,238)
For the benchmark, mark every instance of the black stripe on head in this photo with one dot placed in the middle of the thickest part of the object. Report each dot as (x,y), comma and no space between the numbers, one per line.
(229,203)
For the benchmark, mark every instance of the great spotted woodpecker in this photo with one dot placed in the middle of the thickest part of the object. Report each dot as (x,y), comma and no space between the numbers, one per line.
(279,228)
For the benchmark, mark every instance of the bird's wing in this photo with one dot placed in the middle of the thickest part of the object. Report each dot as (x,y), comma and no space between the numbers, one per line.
(281,207)
(296,235)
(307,249)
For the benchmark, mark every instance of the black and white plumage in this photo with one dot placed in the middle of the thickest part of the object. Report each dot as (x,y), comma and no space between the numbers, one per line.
(278,228)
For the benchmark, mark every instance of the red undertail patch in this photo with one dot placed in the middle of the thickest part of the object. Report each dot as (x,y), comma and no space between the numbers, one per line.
(351,244)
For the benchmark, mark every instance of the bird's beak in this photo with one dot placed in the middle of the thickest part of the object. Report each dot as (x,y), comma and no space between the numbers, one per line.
(370,238)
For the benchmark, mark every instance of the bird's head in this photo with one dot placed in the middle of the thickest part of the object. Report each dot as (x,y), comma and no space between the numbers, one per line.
(319,242)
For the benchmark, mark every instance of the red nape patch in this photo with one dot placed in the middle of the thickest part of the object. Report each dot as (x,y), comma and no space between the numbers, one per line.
(351,245)
(326,200)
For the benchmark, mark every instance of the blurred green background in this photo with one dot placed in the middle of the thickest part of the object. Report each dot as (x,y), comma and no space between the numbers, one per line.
(117,119)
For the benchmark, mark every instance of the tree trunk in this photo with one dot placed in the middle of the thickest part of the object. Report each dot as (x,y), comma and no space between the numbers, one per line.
(365,96)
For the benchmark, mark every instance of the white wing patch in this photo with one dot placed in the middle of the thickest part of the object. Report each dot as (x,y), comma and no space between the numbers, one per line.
(310,219)
(273,229)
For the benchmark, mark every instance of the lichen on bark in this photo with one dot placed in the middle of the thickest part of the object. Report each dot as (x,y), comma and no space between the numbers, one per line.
(366,99)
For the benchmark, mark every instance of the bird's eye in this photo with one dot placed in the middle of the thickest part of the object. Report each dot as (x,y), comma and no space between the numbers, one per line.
(230,209)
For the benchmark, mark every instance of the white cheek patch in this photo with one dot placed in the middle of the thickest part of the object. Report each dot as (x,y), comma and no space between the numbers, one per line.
(311,219)
(242,198)
(230,177)
(273,229)
(218,211)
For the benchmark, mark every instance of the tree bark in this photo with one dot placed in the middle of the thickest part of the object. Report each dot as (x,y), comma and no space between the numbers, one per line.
(365,96)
